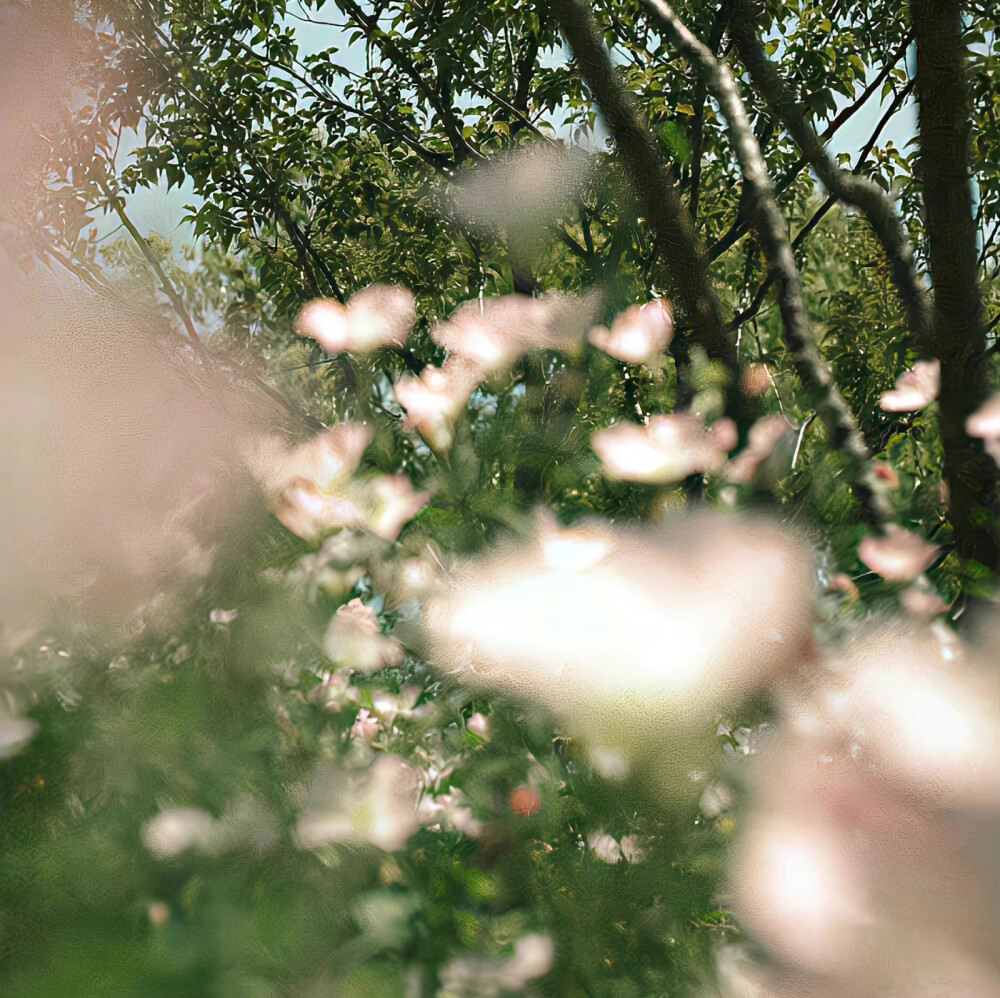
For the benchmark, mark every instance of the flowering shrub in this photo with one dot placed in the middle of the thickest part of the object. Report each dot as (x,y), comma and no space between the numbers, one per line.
(536,634)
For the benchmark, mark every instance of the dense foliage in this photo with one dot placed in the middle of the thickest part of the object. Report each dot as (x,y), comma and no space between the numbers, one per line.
(316,174)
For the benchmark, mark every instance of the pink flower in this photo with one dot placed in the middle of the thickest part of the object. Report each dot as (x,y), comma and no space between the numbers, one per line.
(667,450)
(899,556)
(435,400)
(479,725)
(886,473)
(355,641)
(365,726)
(914,389)
(374,317)
(332,692)
(763,437)
(985,424)
(843,584)
(756,380)
(525,802)
(639,334)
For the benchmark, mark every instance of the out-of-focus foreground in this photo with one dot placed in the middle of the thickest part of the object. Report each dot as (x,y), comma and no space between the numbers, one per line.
(496,559)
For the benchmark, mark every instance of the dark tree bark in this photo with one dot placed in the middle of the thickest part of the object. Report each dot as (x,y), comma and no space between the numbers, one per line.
(959,335)
(658,198)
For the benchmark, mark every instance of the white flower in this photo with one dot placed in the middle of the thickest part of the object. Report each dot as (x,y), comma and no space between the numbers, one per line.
(666,450)
(389,502)
(985,424)
(310,513)
(762,439)
(355,641)
(604,847)
(932,727)
(914,389)
(639,334)
(451,811)
(15,734)
(377,804)
(333,691)
(491,336)
(409,578)
(694,611)
(327,460)
(377,316)
(798,891)
(898,556)
(178,829)
(435,400)
(485,977)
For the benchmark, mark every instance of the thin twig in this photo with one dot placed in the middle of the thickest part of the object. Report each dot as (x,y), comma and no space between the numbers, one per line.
(660,204)
(959,341)
(817,379)
(117,204)
(739,227)
(845,185)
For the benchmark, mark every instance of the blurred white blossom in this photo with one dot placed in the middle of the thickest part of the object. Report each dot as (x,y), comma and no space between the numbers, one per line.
(355,641)
(607,626)
(984,423)
(639,334)
(434,400)
(484,977)
(377,316)
(762,439)
(15,734)
(914,389)
(521,192)
(376,804)
(492,335)
(604,847)
(327,460)
(666,450)
(178,829)
(899,555)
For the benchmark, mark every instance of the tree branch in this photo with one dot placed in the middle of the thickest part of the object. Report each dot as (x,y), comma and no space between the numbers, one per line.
(176,302)
(719,24)
(959,337)
(822,210)
(739,227)
(671,225)
(817,379)
(846,186)
(452,126)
